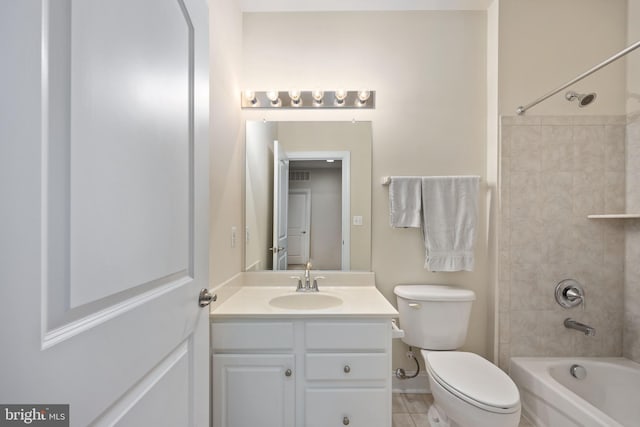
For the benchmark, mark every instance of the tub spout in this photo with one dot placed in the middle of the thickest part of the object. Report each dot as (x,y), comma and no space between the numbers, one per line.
(573,324)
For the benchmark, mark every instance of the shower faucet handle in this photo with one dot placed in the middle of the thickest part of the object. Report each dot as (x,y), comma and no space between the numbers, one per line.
(572,294)
(569,293)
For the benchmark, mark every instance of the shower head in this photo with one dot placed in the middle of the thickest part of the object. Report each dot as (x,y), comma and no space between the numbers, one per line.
(584,99)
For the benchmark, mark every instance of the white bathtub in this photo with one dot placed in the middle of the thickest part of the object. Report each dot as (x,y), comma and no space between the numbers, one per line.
(609,395)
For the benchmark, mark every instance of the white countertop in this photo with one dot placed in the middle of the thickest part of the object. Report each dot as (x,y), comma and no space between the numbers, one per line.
(253,301)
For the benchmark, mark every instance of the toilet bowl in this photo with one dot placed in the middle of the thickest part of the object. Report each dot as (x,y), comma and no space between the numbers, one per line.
(468,391)
(471,391)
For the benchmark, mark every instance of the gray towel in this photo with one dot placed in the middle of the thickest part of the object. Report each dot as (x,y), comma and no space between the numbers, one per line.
(405,202)
(450,211)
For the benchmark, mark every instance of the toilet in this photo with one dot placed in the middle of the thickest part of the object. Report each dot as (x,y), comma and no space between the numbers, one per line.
(468,390)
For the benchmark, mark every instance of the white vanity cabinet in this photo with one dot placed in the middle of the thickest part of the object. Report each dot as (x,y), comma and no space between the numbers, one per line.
(301,372)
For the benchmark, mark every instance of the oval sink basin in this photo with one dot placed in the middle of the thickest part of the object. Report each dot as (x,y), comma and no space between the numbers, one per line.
(305,301)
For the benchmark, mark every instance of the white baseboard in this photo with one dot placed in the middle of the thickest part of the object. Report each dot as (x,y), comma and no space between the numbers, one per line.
(419,384)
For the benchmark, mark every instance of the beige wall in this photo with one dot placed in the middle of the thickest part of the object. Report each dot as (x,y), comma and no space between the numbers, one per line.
(631,337)
(492,156)
(227,140)
(429,73)
(545,43)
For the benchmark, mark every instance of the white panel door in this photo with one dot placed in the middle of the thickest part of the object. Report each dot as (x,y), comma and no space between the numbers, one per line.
(103,224)
(280,210)
(299,225)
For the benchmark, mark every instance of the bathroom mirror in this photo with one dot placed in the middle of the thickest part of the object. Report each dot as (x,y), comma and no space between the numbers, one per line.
(308,195)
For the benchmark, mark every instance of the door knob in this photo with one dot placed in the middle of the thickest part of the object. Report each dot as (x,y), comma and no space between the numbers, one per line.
(205,297)
(288,373)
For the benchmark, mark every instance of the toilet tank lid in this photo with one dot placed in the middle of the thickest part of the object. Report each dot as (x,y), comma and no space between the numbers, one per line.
(434,293)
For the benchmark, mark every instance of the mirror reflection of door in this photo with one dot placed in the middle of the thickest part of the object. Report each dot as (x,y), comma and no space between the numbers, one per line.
(315,214)
(280,202)
(298,228)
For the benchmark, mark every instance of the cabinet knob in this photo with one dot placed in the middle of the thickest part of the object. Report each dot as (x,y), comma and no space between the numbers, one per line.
(345,421)
(288,373)
(347,369)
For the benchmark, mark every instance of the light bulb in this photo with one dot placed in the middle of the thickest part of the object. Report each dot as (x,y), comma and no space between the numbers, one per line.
(295,94)
(363,96)
(250,96)
(317,96)
(272,95)
(341,94)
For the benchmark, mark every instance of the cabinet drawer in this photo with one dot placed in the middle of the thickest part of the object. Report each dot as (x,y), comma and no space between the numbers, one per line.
(352,407)
(252,336)
(347,336)
(347,366)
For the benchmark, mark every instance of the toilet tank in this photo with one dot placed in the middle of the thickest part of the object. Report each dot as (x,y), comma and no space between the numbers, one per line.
(434,317)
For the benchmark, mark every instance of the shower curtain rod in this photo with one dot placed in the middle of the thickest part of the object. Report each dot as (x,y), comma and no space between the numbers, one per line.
(521,110)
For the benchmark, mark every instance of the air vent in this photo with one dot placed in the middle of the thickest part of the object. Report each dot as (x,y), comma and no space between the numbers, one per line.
(298,175)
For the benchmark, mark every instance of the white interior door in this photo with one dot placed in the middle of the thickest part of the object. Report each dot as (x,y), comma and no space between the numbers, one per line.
(103,225)
(299,225)
(280,209)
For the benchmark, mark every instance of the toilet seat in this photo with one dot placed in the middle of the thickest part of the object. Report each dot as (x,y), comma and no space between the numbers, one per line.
(474,380)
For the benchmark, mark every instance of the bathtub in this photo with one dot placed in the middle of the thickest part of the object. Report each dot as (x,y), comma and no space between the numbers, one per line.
(608,396)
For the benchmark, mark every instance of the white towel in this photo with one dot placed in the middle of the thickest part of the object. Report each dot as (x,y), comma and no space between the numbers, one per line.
(450,209)
(405,202)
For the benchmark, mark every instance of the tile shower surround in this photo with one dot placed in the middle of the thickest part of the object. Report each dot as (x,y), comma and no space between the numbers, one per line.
(554,171)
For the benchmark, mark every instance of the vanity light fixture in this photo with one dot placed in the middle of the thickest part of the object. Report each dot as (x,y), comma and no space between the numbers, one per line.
(300,99)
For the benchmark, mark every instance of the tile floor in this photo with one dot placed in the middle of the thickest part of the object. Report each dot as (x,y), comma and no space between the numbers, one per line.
(410,410)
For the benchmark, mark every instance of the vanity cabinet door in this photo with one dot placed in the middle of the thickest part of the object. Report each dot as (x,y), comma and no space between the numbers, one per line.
(253,390)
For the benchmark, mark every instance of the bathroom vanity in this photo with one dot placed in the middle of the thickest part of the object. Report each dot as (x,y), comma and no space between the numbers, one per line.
(280,359)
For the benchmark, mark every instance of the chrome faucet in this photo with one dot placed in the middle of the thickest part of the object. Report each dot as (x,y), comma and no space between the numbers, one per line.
(304,283)
(307,275)
(573,324)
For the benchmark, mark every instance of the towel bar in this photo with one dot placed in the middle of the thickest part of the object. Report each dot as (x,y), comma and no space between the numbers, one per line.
(386,180)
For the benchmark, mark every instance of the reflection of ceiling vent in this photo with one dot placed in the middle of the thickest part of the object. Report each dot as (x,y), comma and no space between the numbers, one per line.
(298,175)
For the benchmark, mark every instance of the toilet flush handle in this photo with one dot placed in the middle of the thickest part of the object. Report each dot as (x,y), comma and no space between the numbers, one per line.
(414,305)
